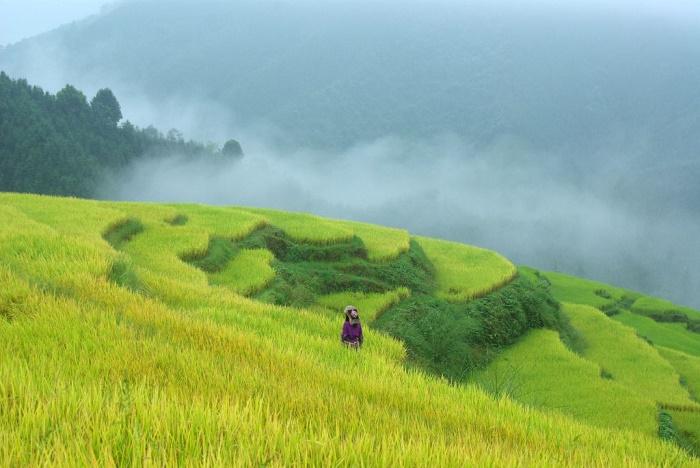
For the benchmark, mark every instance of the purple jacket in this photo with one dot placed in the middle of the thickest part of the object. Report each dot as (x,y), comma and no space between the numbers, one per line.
(352,332)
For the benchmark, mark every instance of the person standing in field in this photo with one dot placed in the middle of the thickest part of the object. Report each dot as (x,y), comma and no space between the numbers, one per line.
(351,336)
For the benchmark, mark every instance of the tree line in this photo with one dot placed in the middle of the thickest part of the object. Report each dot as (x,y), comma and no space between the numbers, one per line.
(63,144)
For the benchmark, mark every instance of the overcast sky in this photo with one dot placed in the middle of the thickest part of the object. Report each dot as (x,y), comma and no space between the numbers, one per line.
(20,19)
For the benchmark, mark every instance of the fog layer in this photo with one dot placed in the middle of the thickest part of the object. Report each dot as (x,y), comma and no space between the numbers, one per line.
(525,205)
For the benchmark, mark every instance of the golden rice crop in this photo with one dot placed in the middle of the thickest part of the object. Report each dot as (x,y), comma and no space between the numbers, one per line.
(370,305)
(382,243)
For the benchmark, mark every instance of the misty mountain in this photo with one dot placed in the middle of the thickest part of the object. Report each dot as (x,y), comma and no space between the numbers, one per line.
(573,78)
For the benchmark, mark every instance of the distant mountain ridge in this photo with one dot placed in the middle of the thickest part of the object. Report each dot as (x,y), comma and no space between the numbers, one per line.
(336,74)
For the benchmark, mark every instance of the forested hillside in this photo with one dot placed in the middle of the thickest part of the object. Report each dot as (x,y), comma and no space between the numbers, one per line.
(62,144)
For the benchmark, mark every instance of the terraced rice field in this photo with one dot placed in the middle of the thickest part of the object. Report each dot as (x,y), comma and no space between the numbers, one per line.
(248,272)
(670,335)
(629,360)
(540,371)
(687,366)
(370,305)
(567,288)
(131,356)
(648,305)
(465,272)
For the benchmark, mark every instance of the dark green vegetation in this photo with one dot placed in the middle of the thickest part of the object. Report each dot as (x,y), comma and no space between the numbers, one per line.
(615,306)
(454,339)
(62,144)
(123,275)
(178,220)
(122,232)
(670,431)
(666,312)
(666,429)
(448,339)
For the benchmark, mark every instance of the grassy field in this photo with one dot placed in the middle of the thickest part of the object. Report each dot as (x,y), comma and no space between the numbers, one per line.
(627,359)
(541,372)
(687,427)
(465,272)
(687,366)
(567,288)
(157,366)
(648,305)
(670,335)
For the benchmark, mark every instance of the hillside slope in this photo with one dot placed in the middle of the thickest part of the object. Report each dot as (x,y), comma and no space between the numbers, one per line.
(125,352)
(628,367)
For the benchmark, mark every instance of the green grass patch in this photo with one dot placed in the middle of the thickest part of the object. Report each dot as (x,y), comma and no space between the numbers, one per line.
(662,310)
(670,335)
(633,362)
(567,288)
(304,271)
(541,372)
(687,366)
(123,274)
(465,272)
(218,254)
(248,272)
(122,232)
(178,220)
